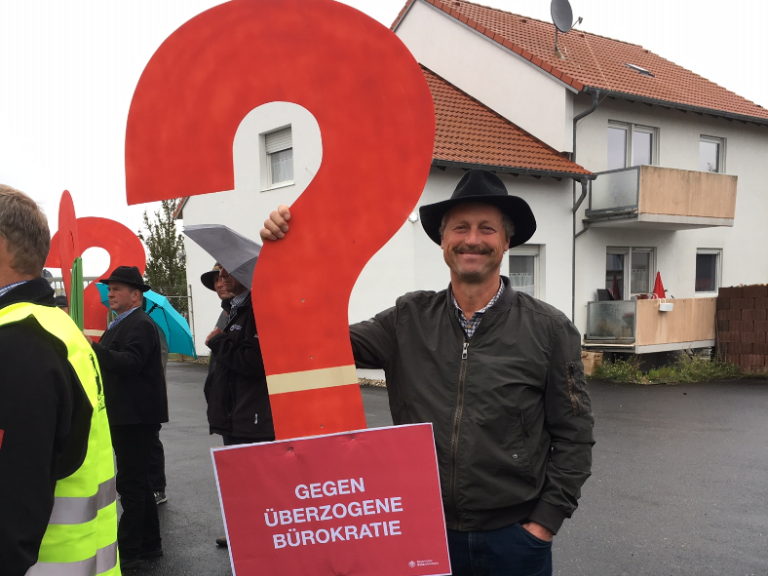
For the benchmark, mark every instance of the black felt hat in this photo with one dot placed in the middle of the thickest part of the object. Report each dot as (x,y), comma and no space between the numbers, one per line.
(209,278)
(484,187)
(127,275)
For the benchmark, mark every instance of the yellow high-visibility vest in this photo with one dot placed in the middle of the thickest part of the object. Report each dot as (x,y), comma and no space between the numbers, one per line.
(81,538)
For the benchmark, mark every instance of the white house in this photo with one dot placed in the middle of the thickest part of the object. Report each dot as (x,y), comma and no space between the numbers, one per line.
(631,164)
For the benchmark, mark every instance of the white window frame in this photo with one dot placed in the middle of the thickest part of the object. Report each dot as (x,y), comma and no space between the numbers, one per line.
(629,130)
(627,252)
(266,163)
(536,251)
(718,253)
(721,157)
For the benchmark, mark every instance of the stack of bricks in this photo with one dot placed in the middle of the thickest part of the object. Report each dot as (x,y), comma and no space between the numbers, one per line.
(742,327)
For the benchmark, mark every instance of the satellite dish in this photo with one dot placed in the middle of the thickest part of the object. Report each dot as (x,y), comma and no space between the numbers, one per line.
(562,15)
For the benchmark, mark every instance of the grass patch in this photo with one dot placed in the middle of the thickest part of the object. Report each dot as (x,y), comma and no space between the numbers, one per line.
(685,369)
(372,382)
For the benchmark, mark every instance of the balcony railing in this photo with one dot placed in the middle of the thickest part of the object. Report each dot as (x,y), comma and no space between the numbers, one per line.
(644,326)
(612,321)
(664,198)
(615,191)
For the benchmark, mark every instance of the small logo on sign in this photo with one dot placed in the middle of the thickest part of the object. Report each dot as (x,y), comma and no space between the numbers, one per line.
(421,563)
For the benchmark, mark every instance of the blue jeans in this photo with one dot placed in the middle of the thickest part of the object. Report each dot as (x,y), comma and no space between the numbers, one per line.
(509,551)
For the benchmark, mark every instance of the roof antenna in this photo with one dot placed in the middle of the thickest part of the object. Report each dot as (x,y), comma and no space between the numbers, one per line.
(562,16)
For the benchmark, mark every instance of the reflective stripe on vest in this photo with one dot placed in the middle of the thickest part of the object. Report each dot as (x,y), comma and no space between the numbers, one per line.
(81,538)
(73,510)
(105,560)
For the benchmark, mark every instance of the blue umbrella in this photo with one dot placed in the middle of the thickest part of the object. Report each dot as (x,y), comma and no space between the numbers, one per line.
(173,324)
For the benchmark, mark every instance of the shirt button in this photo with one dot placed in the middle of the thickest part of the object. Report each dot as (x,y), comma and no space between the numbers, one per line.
(514,456)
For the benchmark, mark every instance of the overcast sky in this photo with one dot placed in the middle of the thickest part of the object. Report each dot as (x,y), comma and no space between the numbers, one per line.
(69,67)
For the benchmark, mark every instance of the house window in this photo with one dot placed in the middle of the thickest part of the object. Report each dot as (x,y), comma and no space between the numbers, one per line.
(278,146)
(711,154)
(707,270)
(631,145)
(524,269)
(629,271)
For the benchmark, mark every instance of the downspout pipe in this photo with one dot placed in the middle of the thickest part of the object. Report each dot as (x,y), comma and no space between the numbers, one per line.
(577,203)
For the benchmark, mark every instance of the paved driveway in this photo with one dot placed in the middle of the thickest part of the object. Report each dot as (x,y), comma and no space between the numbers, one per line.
(679,486)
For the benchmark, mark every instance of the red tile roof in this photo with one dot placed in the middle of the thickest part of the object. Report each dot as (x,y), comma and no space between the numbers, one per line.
(592,61)
(467,133)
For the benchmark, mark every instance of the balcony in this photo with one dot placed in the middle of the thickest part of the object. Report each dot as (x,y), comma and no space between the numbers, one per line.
(650,197)
(641,326)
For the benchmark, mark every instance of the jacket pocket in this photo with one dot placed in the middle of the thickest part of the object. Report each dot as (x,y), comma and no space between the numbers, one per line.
(577,385)
(498,446)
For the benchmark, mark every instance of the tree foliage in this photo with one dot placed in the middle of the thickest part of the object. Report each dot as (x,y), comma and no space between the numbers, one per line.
(166,269)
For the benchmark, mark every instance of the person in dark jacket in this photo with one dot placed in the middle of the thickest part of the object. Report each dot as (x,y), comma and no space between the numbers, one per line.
(157,478)
(44,411)
(236,389)
(137,404)
(499,376)
(222,286)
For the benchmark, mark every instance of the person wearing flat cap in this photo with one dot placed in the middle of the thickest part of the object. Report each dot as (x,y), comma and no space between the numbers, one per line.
(498,373)
(137,404)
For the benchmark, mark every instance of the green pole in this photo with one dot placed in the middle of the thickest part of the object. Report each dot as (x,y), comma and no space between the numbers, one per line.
(76,293)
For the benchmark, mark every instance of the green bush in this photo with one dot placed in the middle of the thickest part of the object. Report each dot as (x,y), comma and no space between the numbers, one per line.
(685,369)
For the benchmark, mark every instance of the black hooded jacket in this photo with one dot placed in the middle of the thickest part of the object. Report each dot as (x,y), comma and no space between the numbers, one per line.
(236,388)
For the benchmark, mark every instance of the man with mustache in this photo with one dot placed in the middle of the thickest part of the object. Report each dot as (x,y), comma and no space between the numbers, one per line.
(497,373)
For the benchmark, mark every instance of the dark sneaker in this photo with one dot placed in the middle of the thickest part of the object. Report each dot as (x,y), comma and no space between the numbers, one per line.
(160,498)
(151,552)
(222,542)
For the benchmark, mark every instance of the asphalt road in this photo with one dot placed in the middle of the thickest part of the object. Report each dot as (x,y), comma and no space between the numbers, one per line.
(679,485)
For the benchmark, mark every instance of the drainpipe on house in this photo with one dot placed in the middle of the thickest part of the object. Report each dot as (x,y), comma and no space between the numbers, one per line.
(577,203)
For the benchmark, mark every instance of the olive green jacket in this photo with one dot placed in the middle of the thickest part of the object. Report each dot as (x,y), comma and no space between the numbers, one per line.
(509,407)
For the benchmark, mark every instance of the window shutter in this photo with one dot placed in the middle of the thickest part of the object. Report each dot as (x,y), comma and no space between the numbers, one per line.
(278,140)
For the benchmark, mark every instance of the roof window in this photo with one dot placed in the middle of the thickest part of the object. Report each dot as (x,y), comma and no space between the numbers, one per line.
(639,70)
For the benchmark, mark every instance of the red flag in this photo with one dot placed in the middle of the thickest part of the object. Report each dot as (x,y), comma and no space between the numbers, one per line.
(658,287)
(616,293)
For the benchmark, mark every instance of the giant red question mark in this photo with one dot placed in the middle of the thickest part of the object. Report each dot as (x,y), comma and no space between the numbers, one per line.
(376,118)
(124,249)
(68,244)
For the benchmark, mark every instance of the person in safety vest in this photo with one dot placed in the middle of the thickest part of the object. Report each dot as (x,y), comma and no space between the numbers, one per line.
(57,482)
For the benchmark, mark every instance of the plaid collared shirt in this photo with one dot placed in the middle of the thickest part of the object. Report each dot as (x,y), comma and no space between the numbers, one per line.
(471,325)
(121,317)
(238,301)
(5,289)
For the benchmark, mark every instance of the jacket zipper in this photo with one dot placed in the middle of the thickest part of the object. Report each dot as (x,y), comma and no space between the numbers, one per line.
(571,377)
(456,428)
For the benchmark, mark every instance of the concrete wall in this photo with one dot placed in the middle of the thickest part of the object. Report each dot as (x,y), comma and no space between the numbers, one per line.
(505,82)
(744,254)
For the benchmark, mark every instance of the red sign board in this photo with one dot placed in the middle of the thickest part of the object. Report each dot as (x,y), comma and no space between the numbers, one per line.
(356,503)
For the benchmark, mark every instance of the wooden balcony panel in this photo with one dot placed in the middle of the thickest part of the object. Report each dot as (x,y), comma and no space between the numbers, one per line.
(691,320)
(672,192)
